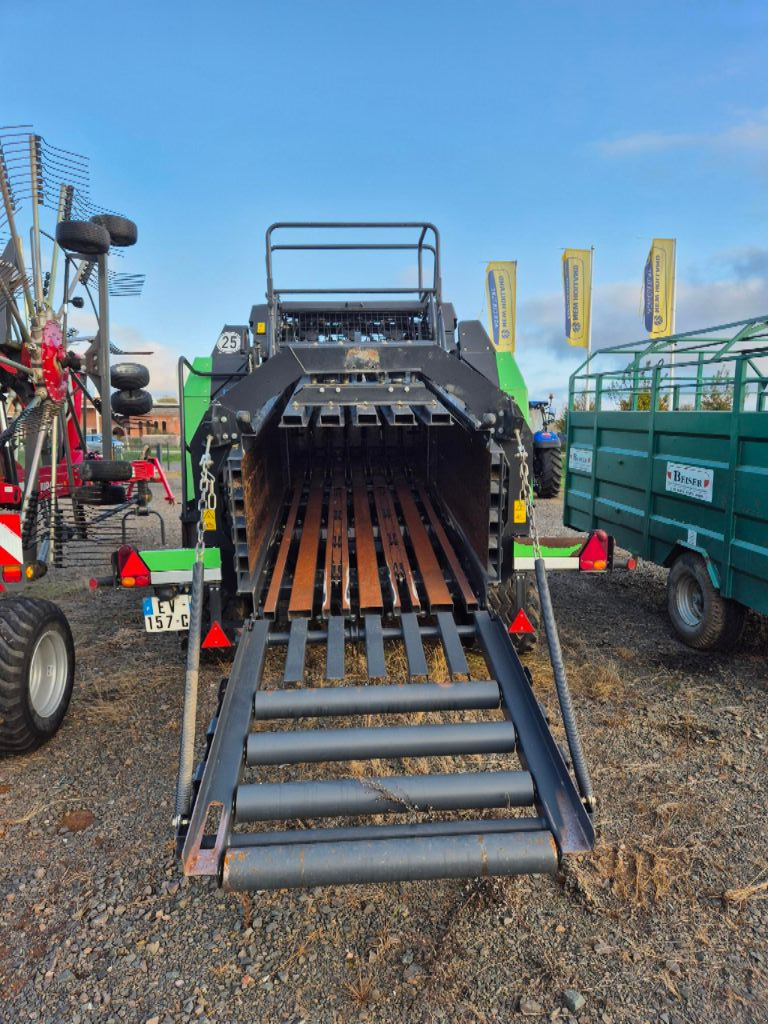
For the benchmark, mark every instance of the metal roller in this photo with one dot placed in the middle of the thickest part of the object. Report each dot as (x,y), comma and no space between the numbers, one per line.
(351,744)
(388,860)
(341,797)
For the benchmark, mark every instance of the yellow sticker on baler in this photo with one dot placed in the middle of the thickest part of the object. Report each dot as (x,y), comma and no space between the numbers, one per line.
(209,519)
(518,512)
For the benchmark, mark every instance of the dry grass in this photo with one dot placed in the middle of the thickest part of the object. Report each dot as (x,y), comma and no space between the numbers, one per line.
(757,890)
(361,989)
(637,874)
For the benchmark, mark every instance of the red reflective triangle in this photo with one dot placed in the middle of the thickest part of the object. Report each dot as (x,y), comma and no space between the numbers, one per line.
(134,566)
(216,637)
(521,623)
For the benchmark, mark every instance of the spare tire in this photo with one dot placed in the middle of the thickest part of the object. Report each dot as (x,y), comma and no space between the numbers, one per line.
(122,231)
(127,376)
(83,236)
(131,402)
(105,469)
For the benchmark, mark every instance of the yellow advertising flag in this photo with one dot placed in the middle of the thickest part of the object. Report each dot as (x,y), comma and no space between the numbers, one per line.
(577,285)
(501,291)
(659,288)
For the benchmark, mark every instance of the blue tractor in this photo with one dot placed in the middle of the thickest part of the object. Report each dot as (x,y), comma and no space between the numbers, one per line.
(547,451)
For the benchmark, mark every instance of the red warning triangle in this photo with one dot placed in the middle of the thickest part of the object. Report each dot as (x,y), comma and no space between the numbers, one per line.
(134,566)
(521,624)
(216,637)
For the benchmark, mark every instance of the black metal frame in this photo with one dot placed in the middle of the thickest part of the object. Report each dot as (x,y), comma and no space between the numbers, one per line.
(420,246)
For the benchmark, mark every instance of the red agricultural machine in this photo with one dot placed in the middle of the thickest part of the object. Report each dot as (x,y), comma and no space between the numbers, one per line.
(59,501)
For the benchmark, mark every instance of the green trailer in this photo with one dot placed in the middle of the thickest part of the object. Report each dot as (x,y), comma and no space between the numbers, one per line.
(668,451)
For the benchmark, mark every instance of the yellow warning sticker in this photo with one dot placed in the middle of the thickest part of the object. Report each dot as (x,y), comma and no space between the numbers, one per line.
(518,513)
(209,518)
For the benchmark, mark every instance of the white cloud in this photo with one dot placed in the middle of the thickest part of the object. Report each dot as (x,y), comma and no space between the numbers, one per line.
(161,360)
(749,135)
(547,361)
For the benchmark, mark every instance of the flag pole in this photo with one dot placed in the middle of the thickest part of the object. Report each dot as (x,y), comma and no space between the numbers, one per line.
(673,325)
(589,333)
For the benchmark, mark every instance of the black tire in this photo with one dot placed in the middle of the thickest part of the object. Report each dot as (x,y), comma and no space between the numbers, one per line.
(122,232)
(34,637)
(131,403)
(550,472)
(104,494)
(502,600)
(105,469)
(83,236)
(128,376)
(702,617)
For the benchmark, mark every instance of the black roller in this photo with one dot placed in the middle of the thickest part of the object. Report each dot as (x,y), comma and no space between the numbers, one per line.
(340,797)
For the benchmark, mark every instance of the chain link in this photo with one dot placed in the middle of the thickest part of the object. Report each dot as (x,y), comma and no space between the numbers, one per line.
(207,500)
(527,493)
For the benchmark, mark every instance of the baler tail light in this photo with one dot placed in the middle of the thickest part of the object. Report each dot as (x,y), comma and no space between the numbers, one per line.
(595,555)
(133,570)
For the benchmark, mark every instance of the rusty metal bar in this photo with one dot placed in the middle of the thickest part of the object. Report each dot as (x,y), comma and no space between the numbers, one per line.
(304,575)
(438,595)
(369,588)
(393,546)
(479,855)
(467,594)
(337,548)
(270,604)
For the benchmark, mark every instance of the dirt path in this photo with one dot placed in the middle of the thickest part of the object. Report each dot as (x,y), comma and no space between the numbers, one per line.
(666,922)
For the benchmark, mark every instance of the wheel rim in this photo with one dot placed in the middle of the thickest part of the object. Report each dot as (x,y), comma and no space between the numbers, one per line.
(48,673)
(689,601)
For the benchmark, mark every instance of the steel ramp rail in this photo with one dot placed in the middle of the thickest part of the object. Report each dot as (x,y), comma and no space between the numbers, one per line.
(469,823)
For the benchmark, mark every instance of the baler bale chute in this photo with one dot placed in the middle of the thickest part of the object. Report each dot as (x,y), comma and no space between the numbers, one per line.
(355,479)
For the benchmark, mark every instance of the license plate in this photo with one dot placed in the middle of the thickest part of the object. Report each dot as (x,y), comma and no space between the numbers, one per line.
(161,616)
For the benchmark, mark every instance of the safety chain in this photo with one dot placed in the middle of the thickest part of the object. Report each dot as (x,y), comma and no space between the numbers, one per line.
(206,503)
(527,493)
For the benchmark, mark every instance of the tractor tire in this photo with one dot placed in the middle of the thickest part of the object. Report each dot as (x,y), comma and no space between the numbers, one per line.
(131,402)
(122,232)
(502,600)
(37,672)
(105,469)
(83,236)
(701,616)
(551,472)
(129,376)
(105,494)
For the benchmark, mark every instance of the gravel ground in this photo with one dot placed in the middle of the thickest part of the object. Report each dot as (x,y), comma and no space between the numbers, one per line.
(666,921)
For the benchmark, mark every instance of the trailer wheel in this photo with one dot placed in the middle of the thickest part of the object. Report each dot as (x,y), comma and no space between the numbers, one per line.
(502,600)
(37,672)
(550,473)
(129,376)
(702,617)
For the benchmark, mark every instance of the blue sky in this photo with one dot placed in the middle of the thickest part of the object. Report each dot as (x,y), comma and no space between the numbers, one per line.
(517,127)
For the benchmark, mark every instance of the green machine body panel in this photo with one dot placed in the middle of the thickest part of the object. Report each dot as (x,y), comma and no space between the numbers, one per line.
(196,400)
(512,381)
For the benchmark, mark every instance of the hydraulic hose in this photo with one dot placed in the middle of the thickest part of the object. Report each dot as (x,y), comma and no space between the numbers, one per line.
(563,690)
(189,716)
